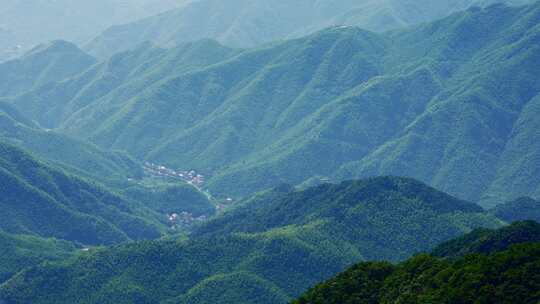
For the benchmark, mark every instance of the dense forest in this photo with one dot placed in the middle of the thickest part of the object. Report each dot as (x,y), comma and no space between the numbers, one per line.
(499,268)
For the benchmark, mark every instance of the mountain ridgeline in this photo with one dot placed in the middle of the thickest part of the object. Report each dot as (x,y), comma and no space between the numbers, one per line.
(451,103)
(245,23)
(268,249)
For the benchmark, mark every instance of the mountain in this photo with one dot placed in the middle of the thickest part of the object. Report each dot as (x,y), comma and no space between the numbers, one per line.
(46,63)
(496,276)
(32,22)
(268,249)
(41,200)
(368,102)
(521,209)
(244,23)
(22,251)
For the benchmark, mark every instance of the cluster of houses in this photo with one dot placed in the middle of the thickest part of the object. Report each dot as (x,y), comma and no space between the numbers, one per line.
(184,219)
(191,176)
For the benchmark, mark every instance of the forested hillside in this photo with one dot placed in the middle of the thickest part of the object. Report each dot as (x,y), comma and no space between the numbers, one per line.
(41,200)
(495,276)
(451,103)
(21,251)
(267,250)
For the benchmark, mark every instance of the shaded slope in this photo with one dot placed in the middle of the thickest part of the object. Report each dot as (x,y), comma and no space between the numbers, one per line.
(38,199)
(267,250)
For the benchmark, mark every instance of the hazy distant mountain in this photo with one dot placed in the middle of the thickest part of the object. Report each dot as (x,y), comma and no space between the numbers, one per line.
(247,23)
(521,209)
(45,63)
(267,250)
(31,22)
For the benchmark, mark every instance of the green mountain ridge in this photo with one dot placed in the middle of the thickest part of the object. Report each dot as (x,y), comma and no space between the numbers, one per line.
(268,249)
(497,275)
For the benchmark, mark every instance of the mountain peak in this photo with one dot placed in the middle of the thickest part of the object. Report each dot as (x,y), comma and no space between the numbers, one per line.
(55,46)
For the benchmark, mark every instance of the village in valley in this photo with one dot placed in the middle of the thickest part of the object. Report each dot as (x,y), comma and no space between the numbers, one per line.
(183,219)
(191,177)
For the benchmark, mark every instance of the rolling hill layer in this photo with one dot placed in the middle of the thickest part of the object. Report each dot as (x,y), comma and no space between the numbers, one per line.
(32,22)
(268,249)
(497,275)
